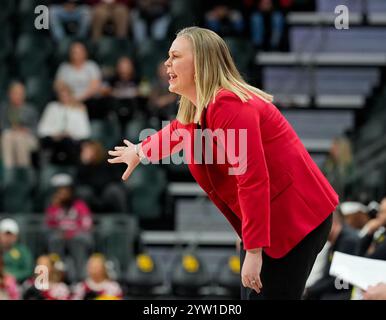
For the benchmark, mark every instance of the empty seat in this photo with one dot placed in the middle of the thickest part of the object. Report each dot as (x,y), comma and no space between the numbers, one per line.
(39,91)
(150,53)
(144,275)
(327,39)
(18,186)
(110,49)
(189,274)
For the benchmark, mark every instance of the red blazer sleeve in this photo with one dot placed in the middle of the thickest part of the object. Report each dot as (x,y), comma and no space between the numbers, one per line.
(164,143)
(229,112)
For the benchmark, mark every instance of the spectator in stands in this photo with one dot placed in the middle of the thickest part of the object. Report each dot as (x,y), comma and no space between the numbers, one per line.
(379,221)
(55,289)
(151,20)
(104,11)
(373,241)
(344,239)
(224,18)
(83,76)
(162,103)
(18,121)
(17,257)
(98,183)
(64,12)
(354,214)
(69,221)
(123,91)
(98,284)
(267,24)
(9,289)
(377,292)
(338,166)
(62,127)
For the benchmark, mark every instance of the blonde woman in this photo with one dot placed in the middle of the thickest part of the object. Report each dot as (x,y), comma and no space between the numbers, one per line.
(267,185)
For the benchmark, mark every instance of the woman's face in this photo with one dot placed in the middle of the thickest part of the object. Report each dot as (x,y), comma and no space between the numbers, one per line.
(78,53)
(44,261)
(125,67)
(96,269)
(180,67)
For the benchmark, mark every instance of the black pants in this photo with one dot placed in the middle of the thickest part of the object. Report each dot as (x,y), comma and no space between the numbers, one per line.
(285,278)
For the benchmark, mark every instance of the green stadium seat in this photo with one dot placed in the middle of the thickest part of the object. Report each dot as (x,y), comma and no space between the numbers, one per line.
(18,185)
(115,237)
(7,8)
(146,186)
(26,14)
(39,91)
(110,49)
(150,53)
(32,232)
(242,53)
(133,129)
(105,131)
(6,42)
(4,81)
(32,52)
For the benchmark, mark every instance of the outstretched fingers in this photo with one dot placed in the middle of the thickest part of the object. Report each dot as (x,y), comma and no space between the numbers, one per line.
(115,160)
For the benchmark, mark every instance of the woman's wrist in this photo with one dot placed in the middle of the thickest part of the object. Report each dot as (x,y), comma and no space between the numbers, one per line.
(139,152)
(255,251)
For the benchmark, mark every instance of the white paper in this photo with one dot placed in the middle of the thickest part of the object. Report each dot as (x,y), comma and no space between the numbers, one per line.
(358,271)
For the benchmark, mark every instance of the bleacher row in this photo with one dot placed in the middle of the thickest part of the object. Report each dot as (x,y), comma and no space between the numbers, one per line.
(336,71)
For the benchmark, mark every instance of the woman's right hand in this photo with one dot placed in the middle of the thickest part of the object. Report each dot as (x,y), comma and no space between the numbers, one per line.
(125,154)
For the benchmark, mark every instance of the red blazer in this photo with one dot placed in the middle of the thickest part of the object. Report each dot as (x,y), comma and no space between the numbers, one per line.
(281,196)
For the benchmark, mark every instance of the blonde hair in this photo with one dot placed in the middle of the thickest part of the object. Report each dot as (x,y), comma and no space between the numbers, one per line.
(214,69)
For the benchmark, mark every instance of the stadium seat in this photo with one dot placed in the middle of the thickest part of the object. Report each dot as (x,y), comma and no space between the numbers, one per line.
(31,53)
(115,236)
(242,52)
(189,275)
(32,232)
(26,14)
(134,127)
(39,91)
(18,185)
(6,42)
(227,275)
(146,186)
(144,274)
(106,131)
(3,82)
(7,8)
(110,49)
(150,53)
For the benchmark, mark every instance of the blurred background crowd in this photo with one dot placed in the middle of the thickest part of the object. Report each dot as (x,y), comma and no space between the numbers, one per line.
(96,76)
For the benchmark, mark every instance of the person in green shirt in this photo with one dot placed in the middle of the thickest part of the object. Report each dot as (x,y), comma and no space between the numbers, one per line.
(18,260)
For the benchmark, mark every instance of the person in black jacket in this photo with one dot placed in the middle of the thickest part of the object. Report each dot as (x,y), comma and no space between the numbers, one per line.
(344,239)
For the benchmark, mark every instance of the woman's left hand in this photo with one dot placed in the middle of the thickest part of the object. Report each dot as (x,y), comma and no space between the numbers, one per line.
(250,272)
(377,292)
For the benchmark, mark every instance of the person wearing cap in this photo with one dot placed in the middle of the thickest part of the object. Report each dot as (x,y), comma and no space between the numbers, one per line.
(17,257)
(354,214)
(380,220)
